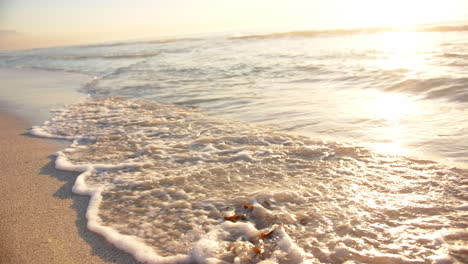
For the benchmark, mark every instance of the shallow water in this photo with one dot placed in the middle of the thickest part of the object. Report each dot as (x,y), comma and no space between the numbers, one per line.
(342,143)
(169,176)
(399,92)
(30,94)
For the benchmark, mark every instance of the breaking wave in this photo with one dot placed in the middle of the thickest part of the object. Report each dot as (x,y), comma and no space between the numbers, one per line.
(107,56)
(435,88)
(127,43)
(172,185)
(353,31)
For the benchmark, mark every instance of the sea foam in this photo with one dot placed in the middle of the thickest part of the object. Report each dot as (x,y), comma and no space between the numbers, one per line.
(170,184)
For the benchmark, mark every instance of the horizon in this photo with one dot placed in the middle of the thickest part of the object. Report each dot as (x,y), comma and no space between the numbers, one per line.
(29,25)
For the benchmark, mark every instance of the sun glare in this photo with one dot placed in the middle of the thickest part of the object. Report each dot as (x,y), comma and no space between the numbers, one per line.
(392,106)
(400,13)
(390,110)
(402,49)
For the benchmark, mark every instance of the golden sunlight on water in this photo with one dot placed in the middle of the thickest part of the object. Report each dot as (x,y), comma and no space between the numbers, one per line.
(392,106)
(393,147)
(403,49)
(391,110)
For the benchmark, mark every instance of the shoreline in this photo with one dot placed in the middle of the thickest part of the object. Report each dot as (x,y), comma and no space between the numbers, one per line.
(42,221)
(30,94)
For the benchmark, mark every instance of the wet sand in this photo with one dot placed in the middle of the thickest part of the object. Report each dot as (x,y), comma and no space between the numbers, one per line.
(41,220)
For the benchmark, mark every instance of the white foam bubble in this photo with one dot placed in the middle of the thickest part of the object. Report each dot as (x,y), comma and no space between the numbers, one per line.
(171,185)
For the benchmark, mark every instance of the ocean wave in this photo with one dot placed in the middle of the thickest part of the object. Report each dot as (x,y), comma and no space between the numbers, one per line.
(107,56)
(446,28)
(454,89)
(313,33)
(454,55)
(352,31)
(127,43)
(454,43)
(169,40)
(172,185)
(106,45)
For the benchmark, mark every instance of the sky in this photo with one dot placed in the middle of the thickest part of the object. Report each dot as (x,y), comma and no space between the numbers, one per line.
(42,23)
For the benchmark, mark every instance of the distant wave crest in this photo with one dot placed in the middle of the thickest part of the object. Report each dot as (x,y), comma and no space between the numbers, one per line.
(353,31)
(106,56)
(312,33)
(126,43)
(446,28)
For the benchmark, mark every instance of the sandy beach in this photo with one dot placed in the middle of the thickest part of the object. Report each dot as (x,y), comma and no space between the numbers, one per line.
(286,148)
(41,221)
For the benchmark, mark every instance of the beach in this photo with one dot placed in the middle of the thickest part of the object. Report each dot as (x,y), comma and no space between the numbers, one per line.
(41,221)
(296,148)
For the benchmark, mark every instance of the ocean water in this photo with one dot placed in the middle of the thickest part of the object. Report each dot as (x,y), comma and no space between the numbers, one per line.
(298,147)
